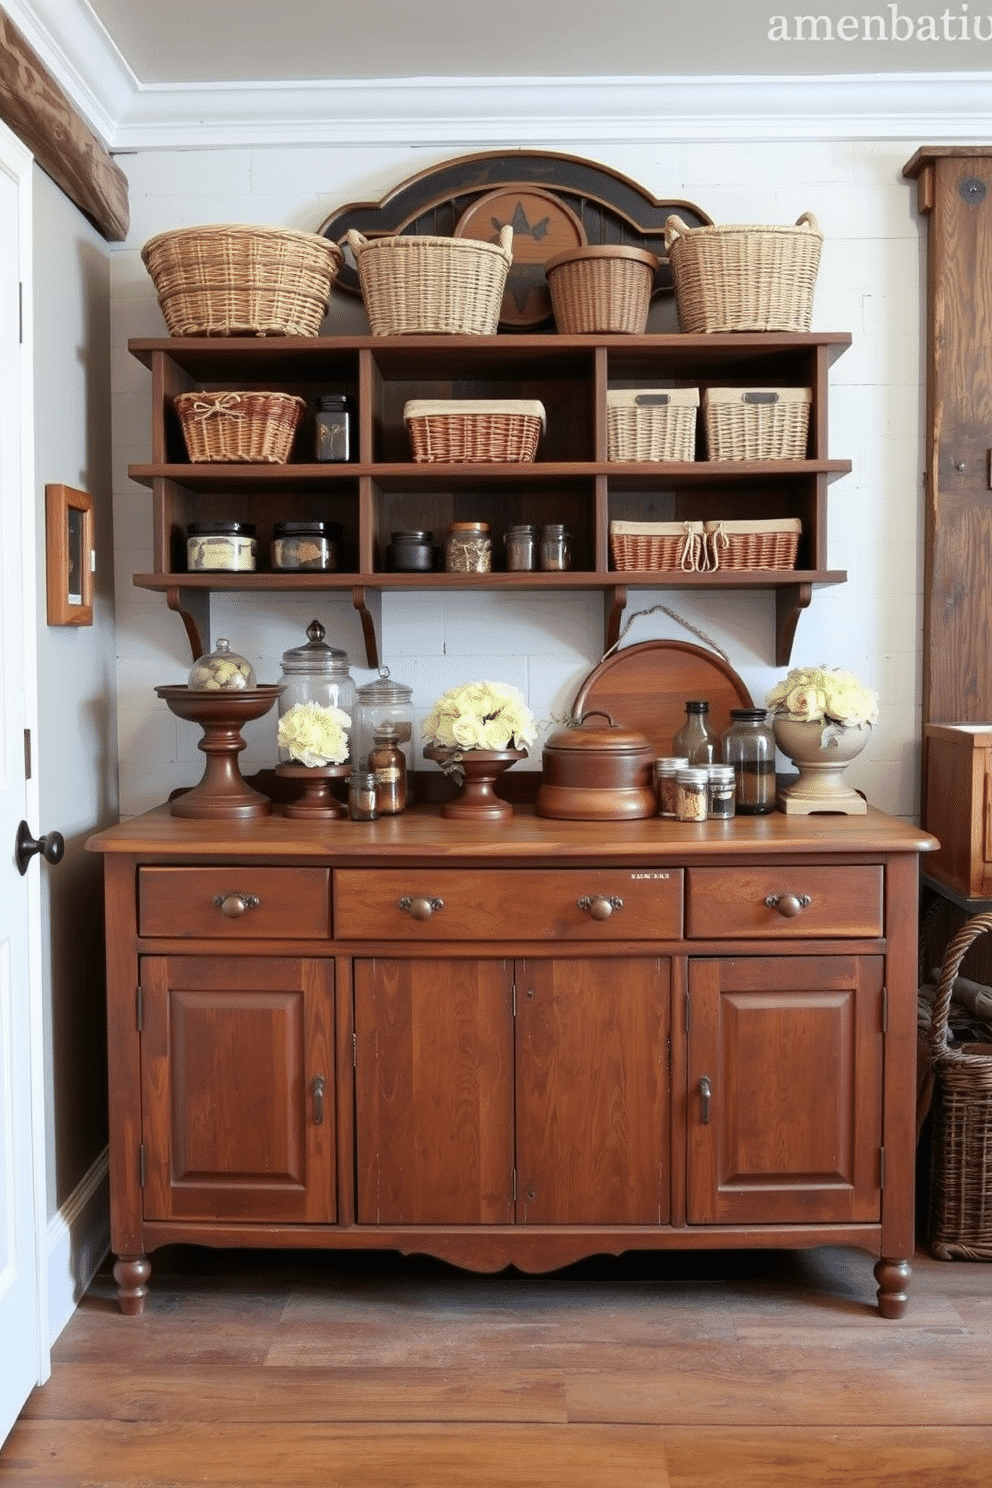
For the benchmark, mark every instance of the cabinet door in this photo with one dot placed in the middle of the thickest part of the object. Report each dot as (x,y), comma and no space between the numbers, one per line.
(784,1115)
(237,1074)
(593,1091)
(434,1091)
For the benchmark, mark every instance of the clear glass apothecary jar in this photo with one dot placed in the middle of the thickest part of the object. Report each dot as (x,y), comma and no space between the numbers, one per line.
(749,746)
(385,701)
(315,677)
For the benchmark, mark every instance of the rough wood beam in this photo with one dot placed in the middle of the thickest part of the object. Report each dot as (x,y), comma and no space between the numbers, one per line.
(40,114)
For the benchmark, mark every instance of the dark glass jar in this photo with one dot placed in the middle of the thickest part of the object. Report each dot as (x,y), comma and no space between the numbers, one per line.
(305,547)
(220,547)
(411,552)
(695,739)
(332,428)
(387,763)
(749,745)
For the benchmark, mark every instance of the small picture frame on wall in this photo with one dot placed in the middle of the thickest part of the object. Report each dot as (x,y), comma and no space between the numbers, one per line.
(70,555)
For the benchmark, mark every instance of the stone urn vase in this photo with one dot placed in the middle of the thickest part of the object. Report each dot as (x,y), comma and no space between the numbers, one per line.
(821,751)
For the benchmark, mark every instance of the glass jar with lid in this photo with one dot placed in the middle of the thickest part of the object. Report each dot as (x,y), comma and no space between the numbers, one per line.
(316,677)
(696,739)
(332,428)
(305,547)
(220,547)
(521,547)
(556,548)
(221,670)
(469,548)
(384,701)
(749,745)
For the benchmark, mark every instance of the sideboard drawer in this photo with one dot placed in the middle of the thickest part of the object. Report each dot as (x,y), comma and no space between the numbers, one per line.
(585,904)
(235,903)
(795,902)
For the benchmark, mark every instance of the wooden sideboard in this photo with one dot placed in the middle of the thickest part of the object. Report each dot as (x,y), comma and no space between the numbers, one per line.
(512,1045)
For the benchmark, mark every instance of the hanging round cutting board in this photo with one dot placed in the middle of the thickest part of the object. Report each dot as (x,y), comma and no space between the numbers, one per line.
(543,225)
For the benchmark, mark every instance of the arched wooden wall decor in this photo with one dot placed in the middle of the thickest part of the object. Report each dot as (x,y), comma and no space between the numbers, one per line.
(554,202)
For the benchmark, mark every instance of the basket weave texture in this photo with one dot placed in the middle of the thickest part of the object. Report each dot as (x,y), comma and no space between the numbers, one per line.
(254,427)
(651,424)
(771,543)
(961,1152)
(600,290)
(431,285)
(744,278)
(657,545)
(472,432)
(232,280)
(756,423)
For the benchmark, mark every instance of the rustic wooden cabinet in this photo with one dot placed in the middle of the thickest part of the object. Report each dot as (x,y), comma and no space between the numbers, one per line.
(521,1045)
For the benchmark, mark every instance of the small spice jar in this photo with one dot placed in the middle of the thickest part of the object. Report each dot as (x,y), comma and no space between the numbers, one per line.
(362,796)
(666,785)
(411,552)
(556,548)
(692,799)
(521,548)
(721,792)
(387,764)
(749,746)
(332,428)
(220,547)
(469,548)
(305,547)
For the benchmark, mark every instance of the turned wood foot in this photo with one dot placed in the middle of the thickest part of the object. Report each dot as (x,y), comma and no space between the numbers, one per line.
(131,1275)
(893,1279)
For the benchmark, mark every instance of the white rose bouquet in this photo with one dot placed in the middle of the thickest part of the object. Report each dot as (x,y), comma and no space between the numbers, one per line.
(314,735)
(825,695)
(480,715)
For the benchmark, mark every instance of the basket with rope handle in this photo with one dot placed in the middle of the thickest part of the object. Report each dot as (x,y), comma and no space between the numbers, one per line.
(744,278)
(422,285)
(961,1152)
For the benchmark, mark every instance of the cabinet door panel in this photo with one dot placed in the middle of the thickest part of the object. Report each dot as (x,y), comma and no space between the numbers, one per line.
(434,1091)
(784,1090)
(593,1091)
(234,1124)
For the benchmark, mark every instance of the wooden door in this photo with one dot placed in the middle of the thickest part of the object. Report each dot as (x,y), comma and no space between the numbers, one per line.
(237,1071)
(784,1116)
(593,1091)
(434,1091)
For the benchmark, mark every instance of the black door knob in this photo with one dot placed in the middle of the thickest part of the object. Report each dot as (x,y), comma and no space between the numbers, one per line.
(51,847)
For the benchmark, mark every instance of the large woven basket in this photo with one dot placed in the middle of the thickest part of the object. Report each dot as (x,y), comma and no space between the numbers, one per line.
(756,423)
(469,431)
(600,290)
(232,280)
(656,545)
(744,278)
(765,543)
(253,427)
(651,423)
(432,286)
(961,1152)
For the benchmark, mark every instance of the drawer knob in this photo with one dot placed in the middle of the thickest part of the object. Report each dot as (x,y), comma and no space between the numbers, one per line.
(235,905)
(419,907)
(789,905)
(598,906)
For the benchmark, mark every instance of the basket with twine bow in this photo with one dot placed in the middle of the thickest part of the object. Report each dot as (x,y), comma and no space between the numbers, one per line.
(252,427)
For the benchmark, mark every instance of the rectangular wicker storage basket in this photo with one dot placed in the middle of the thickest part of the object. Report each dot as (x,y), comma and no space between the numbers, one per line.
(651,424)
(768,543)
(473,431)
(656,545)
(234,280)
(744,278)
(756,423)
(431,285)
(253,427)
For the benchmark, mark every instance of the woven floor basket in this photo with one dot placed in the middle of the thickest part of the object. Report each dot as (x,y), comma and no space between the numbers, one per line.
(232,280)
(253,427)
(744,278)
(656,546)
(432,286)
(771,543)
(471,432)
(651,424)
(599,290)
(756,423)
(961,1152)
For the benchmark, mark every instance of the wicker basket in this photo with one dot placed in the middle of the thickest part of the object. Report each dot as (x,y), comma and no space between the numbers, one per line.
(229,280)
(432,286)
(771,543)
(756,423)
(466,431)
(595,291)
(657,545)
(251,427)
(744,278)
(652,424)
(961,1152)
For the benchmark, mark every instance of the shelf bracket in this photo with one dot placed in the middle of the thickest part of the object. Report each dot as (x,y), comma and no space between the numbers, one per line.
(616,602)
(193,608)
(368,603)
(790,601)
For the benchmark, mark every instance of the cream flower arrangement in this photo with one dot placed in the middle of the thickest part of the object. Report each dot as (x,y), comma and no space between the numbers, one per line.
(480,715)
(826,695)
(314,735)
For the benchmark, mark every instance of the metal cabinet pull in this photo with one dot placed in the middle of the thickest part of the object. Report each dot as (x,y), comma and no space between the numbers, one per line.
(234,905)
(317,1089)
(789,905)
(598,906)
(705,1095)
(419,907)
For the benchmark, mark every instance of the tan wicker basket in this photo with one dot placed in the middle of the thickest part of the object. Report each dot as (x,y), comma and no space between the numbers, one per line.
(651,424)
(767,543)
(598,290)
(961,1151)
(656,545)
(432,286)
(253,427)
(232,280)
(756,423)
(470,431)
(744,278)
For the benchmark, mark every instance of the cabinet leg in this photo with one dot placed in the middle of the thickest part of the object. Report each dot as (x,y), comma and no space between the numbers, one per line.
(893,1279)
(131,1275)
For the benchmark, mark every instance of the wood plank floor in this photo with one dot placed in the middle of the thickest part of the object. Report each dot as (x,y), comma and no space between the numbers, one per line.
(747,1369)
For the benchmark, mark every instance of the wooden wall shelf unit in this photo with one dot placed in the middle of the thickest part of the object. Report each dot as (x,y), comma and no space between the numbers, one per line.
(571,480)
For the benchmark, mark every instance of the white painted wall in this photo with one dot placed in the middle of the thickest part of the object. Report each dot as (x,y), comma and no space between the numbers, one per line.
(870,283)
